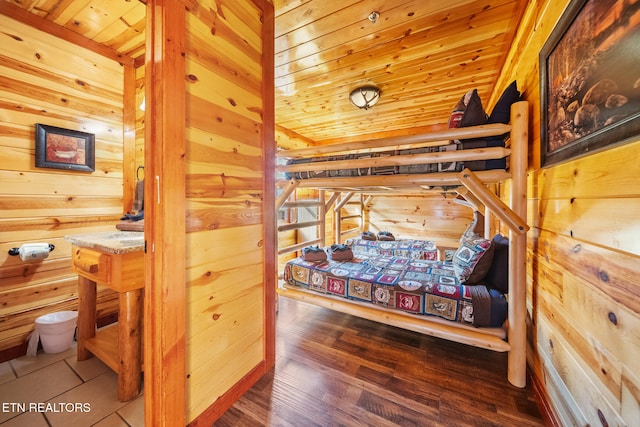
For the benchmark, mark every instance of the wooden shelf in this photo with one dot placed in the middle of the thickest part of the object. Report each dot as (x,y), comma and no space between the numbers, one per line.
(105,346)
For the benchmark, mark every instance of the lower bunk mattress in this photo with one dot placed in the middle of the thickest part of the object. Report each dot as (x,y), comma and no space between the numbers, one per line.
(420,287)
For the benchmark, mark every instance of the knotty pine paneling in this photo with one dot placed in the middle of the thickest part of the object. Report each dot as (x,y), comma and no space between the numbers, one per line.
(47,80)
(224,190)
(583,261)
(429,217)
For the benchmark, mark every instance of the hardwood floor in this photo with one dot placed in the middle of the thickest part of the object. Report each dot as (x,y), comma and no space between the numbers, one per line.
(334,369)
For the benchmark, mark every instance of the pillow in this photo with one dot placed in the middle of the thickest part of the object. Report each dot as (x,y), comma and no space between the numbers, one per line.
(368,235)
(386,236)
(468,111)
(473,259)
(502,110)
(498,275)
(313,254)
(340,252)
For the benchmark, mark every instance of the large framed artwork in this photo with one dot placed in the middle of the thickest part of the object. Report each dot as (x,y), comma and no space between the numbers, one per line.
(590,80)
(61,148)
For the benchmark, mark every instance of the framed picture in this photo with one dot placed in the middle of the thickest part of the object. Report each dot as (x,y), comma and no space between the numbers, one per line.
(590,80)
(64,149)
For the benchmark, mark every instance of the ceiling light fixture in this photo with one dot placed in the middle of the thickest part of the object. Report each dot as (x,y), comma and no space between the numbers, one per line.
(365,97)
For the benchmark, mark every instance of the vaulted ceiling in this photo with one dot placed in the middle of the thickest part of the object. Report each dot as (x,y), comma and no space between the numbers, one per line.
(422,54)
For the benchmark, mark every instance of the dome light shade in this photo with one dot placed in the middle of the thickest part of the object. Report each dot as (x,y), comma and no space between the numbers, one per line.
(365,97)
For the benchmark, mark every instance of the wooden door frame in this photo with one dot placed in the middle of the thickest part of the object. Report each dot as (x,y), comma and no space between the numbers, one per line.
(165,207)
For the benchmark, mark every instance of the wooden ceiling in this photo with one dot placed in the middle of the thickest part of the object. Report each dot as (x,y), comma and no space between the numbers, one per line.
(422,54)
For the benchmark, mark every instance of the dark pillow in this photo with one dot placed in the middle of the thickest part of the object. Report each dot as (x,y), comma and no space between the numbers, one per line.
(313,254)
(386,236)
(502,110)
(473,259)
(340,252)
(468,111)
(368,235)
(498,275)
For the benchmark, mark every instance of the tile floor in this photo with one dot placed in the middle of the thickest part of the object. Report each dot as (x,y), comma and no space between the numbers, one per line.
(52,390)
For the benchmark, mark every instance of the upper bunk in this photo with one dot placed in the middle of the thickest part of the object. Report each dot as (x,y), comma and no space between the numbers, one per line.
(322,167)
(412,164)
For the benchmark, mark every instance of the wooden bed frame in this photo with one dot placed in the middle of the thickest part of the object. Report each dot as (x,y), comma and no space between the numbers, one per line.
(471,186)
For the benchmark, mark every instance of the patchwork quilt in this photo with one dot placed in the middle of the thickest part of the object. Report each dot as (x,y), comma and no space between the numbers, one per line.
(415,286)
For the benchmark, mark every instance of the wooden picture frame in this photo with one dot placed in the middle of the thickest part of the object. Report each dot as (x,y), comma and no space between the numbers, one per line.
(590,80)
(61,148)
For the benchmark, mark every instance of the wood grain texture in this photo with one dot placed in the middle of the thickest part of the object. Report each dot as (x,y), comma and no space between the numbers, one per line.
(335,369)
(47,79)
(582,260)
(165,165)
(230,198)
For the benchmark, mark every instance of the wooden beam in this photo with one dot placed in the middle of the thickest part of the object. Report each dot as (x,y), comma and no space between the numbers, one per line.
(299,225)
(49,27)
(332,200)
(311,203)
(399,142)
(493,202)
(437,179)
(343,201)
(399,160)
(286,192)
(298,246)
(165,205)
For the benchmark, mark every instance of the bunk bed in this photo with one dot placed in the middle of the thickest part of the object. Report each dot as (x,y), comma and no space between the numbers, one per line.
(406,157)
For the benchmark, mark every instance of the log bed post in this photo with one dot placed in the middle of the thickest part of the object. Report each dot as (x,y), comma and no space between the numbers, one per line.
(517,311)
(322,215)
(338,215)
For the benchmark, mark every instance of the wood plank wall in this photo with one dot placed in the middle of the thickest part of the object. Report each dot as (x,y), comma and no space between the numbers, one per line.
(50,81)
(583,261)
(430,217)
(225,222)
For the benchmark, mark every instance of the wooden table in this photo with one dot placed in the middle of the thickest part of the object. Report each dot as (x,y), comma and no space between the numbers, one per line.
(115,260)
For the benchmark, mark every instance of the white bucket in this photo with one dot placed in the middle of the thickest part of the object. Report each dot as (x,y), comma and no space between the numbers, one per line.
(56,330)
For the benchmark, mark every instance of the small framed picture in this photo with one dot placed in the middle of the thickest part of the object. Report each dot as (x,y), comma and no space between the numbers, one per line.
(61,148)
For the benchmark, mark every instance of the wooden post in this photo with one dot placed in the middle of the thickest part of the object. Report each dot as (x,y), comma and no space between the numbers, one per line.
(165,206)
(322,214)
(86,315)
(129,350)
(338,216)
(517,311)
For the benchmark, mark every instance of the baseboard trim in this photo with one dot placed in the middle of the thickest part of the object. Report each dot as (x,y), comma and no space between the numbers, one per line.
(544,402)
(224,402)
